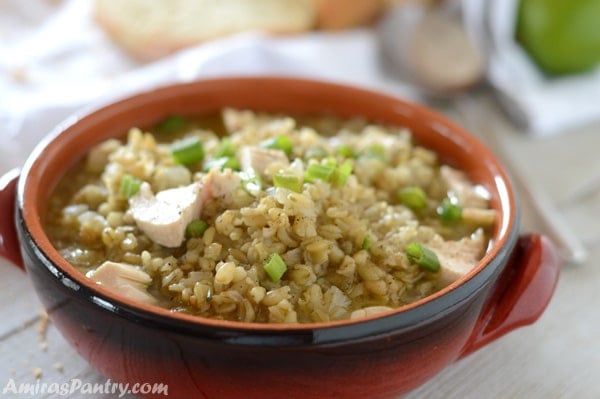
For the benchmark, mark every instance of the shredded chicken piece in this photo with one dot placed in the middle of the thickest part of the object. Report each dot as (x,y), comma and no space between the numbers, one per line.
(259,159)
(368,311)
(164,217)
(457,258)
(125,279)
(221,185)
(468,195)
(478,216)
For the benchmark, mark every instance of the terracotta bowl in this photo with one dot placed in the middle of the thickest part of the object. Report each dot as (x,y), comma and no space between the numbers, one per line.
(377,357)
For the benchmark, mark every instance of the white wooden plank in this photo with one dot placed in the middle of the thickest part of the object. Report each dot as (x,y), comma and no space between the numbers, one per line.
(31,357)
(19,304)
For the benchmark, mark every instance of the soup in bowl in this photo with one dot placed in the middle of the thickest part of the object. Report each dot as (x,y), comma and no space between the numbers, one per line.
(274,236)
(253,217)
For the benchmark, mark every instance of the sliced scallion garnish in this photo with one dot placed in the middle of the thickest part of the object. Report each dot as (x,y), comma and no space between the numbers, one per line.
(281,142)
(376,151)
(188,150)
(251,182)
(171,124)
(412,197)
(422,256)
(275,267)
(346,151)
(449,211)
(366,244)
(317,171)
(130,185)
(225,148)
(289,181)
(196,228)
(315,153)
(222,164)
(342,172)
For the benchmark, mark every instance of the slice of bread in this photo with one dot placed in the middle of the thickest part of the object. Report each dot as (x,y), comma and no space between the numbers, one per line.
(344,14)
(149,29)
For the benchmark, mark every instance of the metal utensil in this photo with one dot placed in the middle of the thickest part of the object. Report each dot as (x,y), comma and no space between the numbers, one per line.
(429,47)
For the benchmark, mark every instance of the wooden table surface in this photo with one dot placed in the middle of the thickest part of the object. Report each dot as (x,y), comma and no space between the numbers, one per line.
(557,357)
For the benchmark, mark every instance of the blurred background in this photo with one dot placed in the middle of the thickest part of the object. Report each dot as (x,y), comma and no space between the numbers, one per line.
(522,75)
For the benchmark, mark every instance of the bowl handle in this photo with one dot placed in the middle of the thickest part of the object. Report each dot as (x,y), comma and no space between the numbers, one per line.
(523,291)
(9,243)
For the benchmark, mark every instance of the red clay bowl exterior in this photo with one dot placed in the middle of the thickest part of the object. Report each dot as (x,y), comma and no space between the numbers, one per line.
(378,357)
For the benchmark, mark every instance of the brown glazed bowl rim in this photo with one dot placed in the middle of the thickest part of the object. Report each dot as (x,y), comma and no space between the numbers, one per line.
(50,152)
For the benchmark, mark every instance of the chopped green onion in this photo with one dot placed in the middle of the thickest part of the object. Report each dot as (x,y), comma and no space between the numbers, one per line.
(280,142)
(222,163)
(422,256)
(366,244)
(317,171)
(130,185)
(196,228)
(330,161)
(346,151)
(171,124)
(375,151)
(412,197)
(187,151)
(342,173)
(251,182)
(291,182)
(449,212)
(275,267)
(225,148)
(315,153)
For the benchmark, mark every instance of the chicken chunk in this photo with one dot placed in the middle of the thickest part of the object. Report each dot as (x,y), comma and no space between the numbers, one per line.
(125,279)
(369,311)
(259,159)
(457,258)
(468,195)
(479,216)
(164,217)
(222,185)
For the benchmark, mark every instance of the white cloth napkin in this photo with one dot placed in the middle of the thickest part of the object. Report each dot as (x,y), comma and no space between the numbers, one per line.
(55,60)
(544,106)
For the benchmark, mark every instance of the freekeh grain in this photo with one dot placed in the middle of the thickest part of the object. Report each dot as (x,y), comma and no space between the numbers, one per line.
(342,244)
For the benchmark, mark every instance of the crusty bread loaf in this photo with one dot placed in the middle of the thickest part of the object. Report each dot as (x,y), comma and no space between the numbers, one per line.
(149,29)
(343,14)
